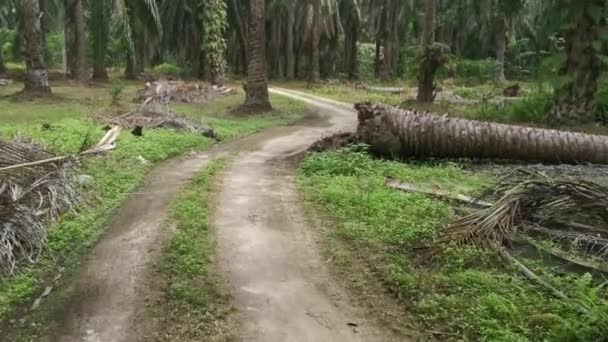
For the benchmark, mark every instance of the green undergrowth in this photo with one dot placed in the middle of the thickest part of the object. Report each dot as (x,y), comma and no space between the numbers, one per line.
(114,175)
(462,294)
(194,303)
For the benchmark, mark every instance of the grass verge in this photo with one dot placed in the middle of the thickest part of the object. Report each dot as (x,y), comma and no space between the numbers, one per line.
(465,293)
(193,305)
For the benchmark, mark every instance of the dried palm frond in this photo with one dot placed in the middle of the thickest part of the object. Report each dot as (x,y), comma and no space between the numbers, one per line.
(527,203)
(30,197)
(157,116)
(178,91)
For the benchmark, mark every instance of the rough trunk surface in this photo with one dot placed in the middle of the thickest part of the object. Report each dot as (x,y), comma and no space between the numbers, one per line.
(432,56)
(2,65)
(394,132)
(76,15)
(501,49)
(37,78)
(575,101)
(291,58)
(257,79)
(315,65)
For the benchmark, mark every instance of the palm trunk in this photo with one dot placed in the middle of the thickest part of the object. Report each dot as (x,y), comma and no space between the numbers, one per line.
(76,15)
(431,59)
(100,20)
(501,48)
(315,65)
(37,79)
(575,101)
(257,79)
(291,62)
(240,27)
(2,65)
(351,53)
(213,36)
(394,132)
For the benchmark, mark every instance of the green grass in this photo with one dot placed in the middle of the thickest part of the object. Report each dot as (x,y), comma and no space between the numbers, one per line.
(194,303)
(465,293)
(116,173)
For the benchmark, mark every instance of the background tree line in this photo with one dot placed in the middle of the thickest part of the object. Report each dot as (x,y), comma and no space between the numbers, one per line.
(313,40)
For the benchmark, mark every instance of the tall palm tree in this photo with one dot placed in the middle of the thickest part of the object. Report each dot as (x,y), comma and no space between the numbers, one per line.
(257,79)
(431,58)
(214,24)
(315,66)
(575,99)
(37,78)
(132,19)
(75,17)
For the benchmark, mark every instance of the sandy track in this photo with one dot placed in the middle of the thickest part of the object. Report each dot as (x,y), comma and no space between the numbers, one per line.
(281,287)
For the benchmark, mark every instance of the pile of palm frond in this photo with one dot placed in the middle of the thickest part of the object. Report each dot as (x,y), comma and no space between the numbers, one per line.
(30,198)
(153,116)
(180,91)
(572,212)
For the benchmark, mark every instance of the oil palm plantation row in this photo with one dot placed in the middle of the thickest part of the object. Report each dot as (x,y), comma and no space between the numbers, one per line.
(315,39)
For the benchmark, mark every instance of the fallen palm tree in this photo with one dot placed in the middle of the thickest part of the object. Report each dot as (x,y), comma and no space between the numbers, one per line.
(395,132)
(35,189)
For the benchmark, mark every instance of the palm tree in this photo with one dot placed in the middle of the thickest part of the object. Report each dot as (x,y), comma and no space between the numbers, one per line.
(257,79)
(315,66)
(134,20)
(214,24)
(351,21)
(99,28)
(75,16)
(575,100)
(431,59)
(37,78)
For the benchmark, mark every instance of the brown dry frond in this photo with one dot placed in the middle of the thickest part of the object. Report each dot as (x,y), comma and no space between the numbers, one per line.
(30,198)
(530,203)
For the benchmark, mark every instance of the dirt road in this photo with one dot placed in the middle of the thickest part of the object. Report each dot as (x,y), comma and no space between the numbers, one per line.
(282,289)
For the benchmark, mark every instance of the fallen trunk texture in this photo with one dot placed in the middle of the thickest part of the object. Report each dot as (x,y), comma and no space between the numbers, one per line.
(391,131)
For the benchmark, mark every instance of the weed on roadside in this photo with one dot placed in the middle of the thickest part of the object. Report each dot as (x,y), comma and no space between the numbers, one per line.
(462,294)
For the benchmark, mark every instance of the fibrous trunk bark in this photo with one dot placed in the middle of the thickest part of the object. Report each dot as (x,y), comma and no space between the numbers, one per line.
(37,78)
(291,59)
(394,132)
(240,27)
(501,49)
(100,19)
(351,53)
(76,18)
(257,79)
(315,66)
(575,101)
(431,59)
(2,65)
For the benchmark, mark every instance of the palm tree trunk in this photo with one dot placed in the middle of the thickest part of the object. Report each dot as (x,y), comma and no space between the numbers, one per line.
(37,78)
(240,27)
(291,59)
(395,132)
(575,101)
(257,79)
(76,17)
(315,65)
(2,65)
(432,57)
(99,27)
(501,49)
